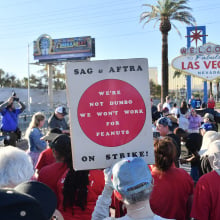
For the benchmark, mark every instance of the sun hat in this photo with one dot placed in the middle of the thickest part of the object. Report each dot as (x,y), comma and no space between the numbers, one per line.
(208,138)
(131,175)
(29,200)
(209,116)
(61,110)
(52,134)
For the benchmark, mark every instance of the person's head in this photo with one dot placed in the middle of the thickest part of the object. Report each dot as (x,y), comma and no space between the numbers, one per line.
(15,166)
(174,105)
(192,96)
(29,200)
(181,133)
(37,120)
(211,97)
(183,104)
(208,117)
(61,147)
(60,112)
(132,180)
(193,113)
(164,126)
(193,142)
(165,153)
(208,138)
(183,107)
(11,107)
(214,155)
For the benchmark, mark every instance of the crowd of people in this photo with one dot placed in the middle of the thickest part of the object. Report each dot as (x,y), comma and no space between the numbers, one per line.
(41,183)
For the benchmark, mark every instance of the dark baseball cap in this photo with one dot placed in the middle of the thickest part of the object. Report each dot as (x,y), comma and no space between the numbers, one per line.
(29,200)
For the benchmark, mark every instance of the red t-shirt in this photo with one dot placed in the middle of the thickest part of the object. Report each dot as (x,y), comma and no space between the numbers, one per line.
(211,103)
(45,158)
(95,187)
(171,192)
(50,174)
(206,200)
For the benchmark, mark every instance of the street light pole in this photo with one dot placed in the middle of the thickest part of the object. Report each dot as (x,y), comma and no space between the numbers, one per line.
(29,106)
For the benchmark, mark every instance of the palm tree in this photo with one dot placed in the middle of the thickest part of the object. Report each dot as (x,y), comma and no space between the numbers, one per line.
(165,11)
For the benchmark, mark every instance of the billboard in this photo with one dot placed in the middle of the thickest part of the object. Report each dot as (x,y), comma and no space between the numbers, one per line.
(47,49)
(202,62)
(110,113)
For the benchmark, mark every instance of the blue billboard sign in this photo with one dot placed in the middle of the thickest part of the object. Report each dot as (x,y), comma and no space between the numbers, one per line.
(47,49)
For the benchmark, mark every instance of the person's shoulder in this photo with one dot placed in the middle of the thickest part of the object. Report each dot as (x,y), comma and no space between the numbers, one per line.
(157,217)
(96,171)
(112,218)
(52,116)
(96,174)
(34,131)
(18,110)
(45,152)
(208,177)
(165,104)
(53,166)
(180,172)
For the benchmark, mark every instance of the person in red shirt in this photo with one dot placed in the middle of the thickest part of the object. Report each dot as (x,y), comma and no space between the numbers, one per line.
(206,200)
(77,191)
(85,186)
(211,102)
(50,174)
(46,157)
(173,187)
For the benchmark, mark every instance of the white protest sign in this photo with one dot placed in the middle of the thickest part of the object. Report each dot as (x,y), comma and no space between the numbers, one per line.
(110,112)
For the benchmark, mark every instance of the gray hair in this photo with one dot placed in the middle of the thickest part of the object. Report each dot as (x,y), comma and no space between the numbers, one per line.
(15,166)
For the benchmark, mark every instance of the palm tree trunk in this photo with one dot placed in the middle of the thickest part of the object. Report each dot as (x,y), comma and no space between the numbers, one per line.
(165,66)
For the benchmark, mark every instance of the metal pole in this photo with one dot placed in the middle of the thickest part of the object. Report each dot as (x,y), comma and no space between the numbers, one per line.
(50,84)
(29,106)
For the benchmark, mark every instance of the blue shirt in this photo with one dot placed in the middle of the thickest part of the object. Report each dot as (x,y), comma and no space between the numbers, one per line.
(9,119)
(193,103)
(207,126)
(35,142)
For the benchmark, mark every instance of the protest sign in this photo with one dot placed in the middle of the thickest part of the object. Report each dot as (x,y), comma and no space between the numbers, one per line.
(110,112)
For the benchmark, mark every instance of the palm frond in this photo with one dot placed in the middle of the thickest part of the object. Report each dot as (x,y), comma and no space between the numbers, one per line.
(171,9)
(177,30)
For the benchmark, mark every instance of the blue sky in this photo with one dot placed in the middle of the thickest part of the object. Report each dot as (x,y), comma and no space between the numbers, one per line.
(113,23)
